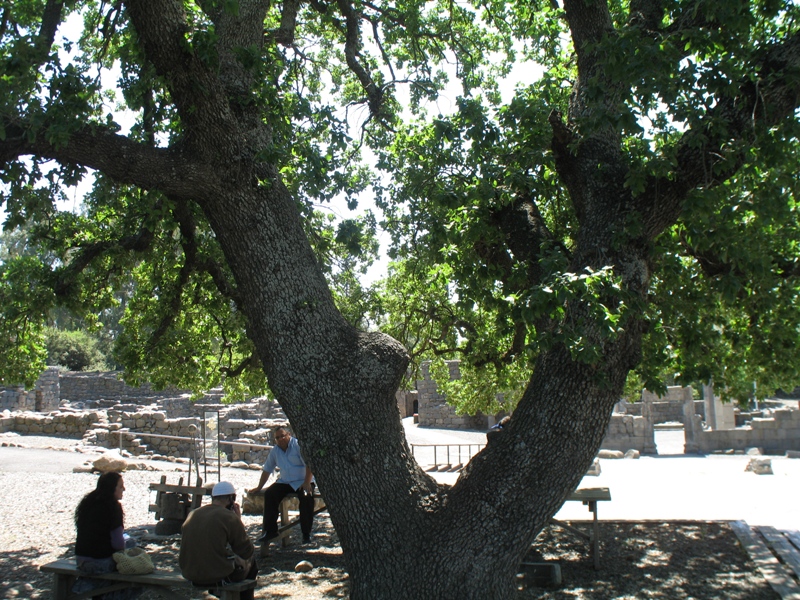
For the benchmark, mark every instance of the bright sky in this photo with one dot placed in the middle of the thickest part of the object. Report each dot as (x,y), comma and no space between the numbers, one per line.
(446,104)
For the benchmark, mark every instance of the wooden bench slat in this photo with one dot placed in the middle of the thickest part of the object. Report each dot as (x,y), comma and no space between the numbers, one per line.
(96,592)
(591,495)
(179,489)
(66,570)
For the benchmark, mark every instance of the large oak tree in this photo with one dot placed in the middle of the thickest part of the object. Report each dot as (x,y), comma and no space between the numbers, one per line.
(636,199)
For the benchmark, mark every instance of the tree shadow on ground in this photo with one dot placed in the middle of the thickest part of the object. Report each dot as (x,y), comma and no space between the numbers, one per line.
(639,560)
(277,577)
(21,577)
(675,559)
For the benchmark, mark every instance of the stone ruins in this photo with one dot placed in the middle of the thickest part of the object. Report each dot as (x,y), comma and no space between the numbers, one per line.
(708,424)
(105,412)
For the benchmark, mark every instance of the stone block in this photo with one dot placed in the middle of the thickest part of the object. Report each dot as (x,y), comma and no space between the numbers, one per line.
(760,466)
(610,454)
(538,574)
(111,461)
(595,469)
(784,434)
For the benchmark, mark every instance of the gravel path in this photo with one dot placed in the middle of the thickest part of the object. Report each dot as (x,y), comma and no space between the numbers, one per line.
(39,491)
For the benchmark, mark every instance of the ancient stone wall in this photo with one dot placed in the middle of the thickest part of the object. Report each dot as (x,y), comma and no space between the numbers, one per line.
(662,411)
(86,386)
(44,396)
(68,424)
(148,431)
(629,432)
(776,434)
(625,432)
(407,402)
(433,409)
(119,417)
(103,410)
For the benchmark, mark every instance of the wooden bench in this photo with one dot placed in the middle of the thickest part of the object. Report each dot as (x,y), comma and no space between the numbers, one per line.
(196,492)
(65,572)
(286,523)
(589,497)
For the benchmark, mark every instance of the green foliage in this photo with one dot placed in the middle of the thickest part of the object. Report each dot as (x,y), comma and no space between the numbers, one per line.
(721,298)
(75,350)
(23,306)
(487,389)
(457,175)
(736,302)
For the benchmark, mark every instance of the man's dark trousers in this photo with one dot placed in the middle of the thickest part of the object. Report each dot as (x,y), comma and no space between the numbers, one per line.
(272,501)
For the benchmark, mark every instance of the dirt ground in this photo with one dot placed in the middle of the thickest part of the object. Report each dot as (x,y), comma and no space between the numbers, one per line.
(639,560)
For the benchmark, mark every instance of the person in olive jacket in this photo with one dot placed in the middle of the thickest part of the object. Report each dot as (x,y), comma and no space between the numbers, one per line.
(215,548)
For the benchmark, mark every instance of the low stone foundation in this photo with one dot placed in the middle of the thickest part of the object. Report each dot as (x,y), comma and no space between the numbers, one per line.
(628,432)
(778,434)
(148,431)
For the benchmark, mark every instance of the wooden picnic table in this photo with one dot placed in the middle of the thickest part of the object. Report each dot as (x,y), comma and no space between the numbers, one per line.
(286,523)
(589,497)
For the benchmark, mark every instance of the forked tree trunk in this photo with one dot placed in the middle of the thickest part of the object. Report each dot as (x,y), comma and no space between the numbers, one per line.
(403,535)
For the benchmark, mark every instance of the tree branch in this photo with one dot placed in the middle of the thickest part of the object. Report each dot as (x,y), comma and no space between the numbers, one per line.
(647,14)
(189,243)
(285,33)
(122,159)
(566,166)
(713,265)
(351,51)
(162,28)
(251,362)
(705,155)
(51,19)
(66,276)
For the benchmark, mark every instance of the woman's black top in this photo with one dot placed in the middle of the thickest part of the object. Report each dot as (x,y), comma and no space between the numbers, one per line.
(95,522)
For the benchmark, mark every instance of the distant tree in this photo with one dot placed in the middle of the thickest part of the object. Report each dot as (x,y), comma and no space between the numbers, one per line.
(75,350)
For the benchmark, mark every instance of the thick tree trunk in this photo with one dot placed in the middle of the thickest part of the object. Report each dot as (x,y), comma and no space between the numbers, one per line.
(403,535)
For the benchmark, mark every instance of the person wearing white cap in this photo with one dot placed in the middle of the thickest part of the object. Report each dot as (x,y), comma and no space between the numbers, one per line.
(215,548)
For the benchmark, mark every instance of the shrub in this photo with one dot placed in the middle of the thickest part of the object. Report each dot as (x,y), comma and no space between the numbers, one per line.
(75,350)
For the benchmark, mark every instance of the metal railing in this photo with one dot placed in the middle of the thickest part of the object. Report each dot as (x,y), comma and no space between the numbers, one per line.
(445,454)
(192,442)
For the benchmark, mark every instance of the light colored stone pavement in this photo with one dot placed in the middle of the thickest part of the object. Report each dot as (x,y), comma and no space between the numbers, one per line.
(671,486)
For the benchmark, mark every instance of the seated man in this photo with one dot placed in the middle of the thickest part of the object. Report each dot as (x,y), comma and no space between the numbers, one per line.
(215,548)
(294,477)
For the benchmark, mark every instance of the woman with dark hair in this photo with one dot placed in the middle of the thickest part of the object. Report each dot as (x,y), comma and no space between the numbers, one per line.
(99,521)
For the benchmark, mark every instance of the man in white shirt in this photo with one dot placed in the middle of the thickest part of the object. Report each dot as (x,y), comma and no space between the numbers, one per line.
(294,477)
